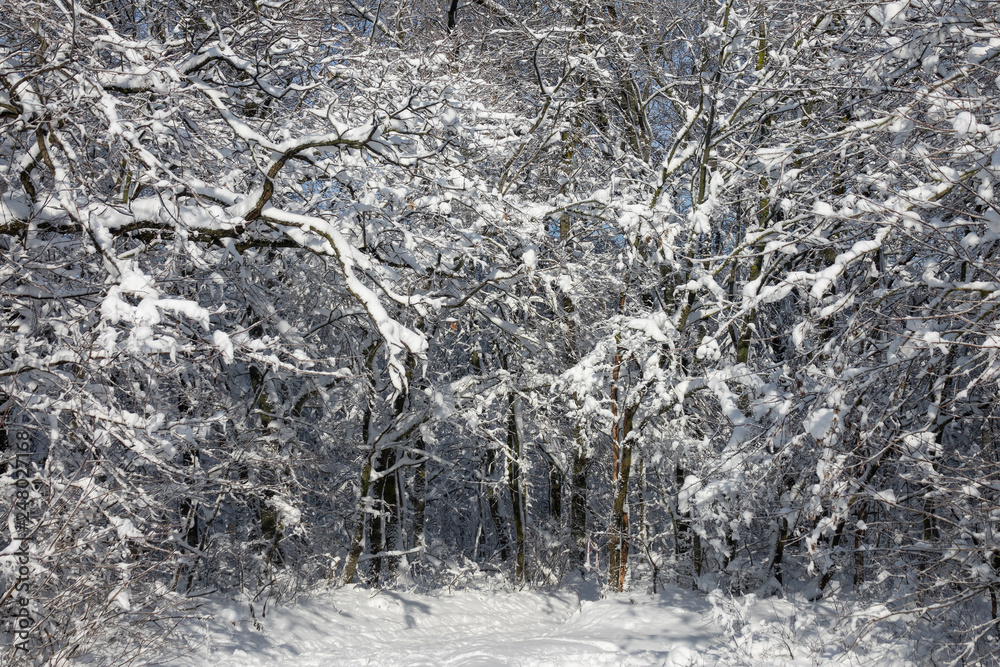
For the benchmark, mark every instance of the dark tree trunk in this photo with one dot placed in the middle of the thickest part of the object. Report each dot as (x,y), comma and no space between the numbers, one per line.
(578,504)
(514,484)
(555,492)
(493,502)
(419,501)
(382,528)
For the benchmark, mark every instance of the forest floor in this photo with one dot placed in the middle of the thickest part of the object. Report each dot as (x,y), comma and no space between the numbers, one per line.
(356,626)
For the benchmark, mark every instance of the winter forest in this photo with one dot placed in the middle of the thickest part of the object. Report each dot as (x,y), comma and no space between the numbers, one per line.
(399,293)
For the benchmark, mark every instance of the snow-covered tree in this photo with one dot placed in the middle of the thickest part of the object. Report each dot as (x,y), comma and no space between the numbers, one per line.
(379,292)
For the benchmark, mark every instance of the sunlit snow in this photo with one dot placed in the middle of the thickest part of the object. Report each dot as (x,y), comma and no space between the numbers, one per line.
(355,626)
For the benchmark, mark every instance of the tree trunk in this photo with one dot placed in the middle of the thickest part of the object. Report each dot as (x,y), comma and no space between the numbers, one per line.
(555,492)
(578,503)
(358,539)
(779,550)
(419,500)
(621,467)
(686,540)
(514,483)
(645,537)
(382,529)
(859,546)
(493,502)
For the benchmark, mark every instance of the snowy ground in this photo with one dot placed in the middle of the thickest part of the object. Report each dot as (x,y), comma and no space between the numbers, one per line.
(354,626)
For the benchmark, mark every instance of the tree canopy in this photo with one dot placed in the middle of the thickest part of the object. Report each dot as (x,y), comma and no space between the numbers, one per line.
(394,292)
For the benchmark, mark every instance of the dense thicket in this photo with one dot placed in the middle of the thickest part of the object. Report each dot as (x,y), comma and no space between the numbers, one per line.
(399,293)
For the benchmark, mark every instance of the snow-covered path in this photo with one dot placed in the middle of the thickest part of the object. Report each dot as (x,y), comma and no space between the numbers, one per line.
(360,627)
